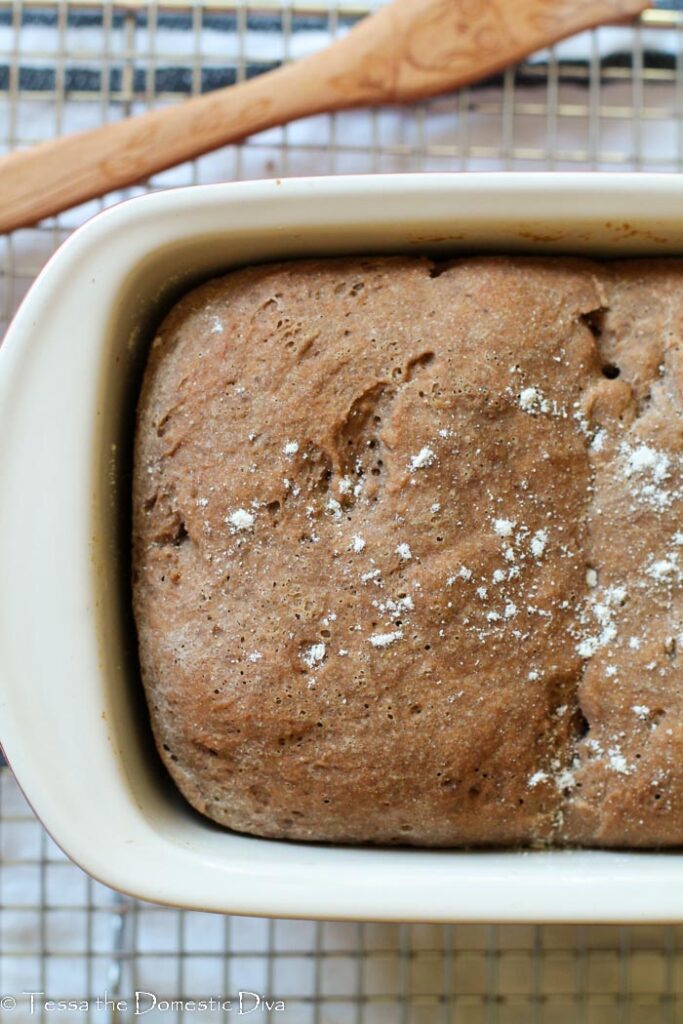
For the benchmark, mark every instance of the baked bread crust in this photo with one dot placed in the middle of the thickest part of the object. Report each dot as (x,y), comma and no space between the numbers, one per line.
(394,532)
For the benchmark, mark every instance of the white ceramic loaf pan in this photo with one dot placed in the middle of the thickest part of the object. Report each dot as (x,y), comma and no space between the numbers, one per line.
(72,720)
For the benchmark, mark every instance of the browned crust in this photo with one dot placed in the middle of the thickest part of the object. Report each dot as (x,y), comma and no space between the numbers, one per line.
(429,407)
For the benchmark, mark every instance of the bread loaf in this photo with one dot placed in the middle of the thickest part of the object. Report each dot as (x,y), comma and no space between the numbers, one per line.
(408,550)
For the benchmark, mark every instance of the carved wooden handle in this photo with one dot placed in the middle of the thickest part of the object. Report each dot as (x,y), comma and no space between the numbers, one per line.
(406,51)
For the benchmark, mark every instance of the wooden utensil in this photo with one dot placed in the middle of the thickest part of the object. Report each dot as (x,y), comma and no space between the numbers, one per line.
(407,51)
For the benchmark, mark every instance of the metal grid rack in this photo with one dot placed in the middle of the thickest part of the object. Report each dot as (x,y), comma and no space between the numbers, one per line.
(609,99)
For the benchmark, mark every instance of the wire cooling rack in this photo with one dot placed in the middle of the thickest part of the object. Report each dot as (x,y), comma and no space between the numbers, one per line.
(609,99)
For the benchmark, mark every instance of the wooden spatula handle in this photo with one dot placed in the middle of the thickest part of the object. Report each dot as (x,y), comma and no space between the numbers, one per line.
(55,175)
(408,50)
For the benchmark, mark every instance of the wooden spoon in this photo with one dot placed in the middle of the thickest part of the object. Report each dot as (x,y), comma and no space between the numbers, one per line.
(407,51)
